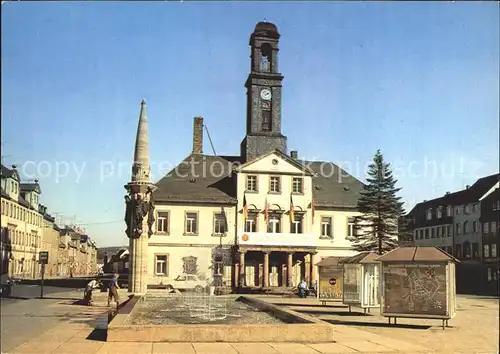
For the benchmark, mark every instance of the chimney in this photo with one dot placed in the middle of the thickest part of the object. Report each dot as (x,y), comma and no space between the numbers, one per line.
(467,186)
(294,154)
(447,193)
(198,135)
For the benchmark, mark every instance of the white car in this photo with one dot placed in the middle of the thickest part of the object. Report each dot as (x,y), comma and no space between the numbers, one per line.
(187,282)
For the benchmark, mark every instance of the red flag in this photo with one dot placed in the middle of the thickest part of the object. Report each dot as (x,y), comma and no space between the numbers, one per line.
(292,215)
(245,207)
(312,211)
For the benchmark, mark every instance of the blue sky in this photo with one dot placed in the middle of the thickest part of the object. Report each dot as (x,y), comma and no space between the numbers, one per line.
(420,81)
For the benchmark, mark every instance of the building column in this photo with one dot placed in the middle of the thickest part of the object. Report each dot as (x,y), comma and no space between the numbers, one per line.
(314,269)
(266,269)
(289,268)
(307,265)
(242,268)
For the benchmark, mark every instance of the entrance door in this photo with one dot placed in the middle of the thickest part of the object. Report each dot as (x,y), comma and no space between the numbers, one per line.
(273,277)
(250,275)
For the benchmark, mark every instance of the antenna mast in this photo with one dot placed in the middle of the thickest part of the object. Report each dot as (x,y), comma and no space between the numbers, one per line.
(210,139)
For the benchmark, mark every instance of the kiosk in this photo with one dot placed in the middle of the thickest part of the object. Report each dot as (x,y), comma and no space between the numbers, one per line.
(418,282)
(330,279)
(361,281)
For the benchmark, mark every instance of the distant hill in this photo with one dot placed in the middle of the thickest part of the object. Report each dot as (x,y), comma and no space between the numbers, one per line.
(109,250)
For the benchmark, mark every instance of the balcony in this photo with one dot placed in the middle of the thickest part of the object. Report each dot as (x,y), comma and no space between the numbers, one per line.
(276,239)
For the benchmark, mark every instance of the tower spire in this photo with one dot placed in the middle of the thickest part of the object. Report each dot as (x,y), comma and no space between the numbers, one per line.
(141,168)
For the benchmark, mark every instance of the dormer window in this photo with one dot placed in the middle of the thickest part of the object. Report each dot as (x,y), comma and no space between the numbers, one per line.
(429,214)
(439,213)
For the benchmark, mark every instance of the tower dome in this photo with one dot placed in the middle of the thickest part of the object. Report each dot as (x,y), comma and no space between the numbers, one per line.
(267,29)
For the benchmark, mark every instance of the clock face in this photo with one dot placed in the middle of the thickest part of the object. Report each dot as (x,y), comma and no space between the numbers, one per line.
(265,94)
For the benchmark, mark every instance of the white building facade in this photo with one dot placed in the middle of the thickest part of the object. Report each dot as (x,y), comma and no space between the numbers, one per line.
(261,219)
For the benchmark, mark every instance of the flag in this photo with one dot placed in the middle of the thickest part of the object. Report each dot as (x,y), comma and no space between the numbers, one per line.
(292,215)
(266,213)
(312,210)
(245,207)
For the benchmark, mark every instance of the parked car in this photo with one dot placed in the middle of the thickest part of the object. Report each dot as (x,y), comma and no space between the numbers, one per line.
(187,282)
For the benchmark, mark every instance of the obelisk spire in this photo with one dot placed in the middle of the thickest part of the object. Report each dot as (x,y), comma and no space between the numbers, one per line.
(141,168)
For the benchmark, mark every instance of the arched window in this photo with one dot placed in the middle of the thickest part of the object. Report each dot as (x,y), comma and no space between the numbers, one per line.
(266,57)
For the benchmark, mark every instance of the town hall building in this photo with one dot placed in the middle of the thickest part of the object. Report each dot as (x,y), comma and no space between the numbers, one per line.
(262,218)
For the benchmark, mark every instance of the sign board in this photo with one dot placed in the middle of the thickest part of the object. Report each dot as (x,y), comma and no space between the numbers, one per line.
(330,282)
(276,239)
(352,284)
(415,289)
(43,257)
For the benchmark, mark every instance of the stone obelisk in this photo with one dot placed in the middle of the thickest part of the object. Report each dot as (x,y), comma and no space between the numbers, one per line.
(140,209)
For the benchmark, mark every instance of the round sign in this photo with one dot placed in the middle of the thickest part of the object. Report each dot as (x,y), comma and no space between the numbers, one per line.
(244,237)
(332,281)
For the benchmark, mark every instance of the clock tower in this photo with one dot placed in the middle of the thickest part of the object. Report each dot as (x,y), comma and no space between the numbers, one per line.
(263,128)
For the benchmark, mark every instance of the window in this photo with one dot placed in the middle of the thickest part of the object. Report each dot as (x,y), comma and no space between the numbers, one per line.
(274,225)
(297,185)
(493,250)
(443,231)
(427,233)
(458,228)
(489,274)
(438,230)
(474,207)
(252,183)
(351,232)
(439,212)
(486,251)
(274,184)
(161,264)
(421,234)
(191,223)
(486,228)
(474,226)
(475,250)
(449,211)
(429,214)
(466,227)
(493,227)
(448,227)
(433,232)
(467,209)
(251,222)
(457,210)
(296,226)
(219,224)
(162,223)
(458,251)
(266,120)
(494,206)
(467,250)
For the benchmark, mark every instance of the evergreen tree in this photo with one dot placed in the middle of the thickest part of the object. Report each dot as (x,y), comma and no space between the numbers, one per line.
(377,228)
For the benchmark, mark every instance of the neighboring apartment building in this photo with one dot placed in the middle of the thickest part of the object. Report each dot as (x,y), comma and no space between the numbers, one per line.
(452,223)
(50,241)
(21,224)
(27,229)
(260,219)
(490,220)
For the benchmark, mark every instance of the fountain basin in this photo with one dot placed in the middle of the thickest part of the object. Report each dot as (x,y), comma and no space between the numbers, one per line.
(244,319)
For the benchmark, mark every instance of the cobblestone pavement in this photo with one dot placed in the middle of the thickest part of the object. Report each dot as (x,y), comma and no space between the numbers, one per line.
(474,330)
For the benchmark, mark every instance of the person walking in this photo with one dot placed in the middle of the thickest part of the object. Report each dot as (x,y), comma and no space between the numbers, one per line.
(113,290)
